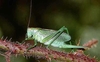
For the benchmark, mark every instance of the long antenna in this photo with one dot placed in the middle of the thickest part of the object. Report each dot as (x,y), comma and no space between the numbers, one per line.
(30,13)
(29,18)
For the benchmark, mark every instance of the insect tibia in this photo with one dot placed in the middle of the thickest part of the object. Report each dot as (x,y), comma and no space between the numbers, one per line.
(73,46)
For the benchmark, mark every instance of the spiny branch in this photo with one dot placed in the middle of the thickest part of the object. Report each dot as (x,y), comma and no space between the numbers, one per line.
(8,48)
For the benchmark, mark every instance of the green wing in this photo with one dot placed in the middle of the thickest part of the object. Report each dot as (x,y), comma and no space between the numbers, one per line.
(48,38)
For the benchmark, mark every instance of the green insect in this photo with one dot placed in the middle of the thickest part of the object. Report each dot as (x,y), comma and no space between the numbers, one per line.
(50,37)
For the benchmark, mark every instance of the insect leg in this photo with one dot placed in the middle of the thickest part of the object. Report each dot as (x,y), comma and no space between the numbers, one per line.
(64,28)
(55,35)
(35,43)
(71,48)
(25,39)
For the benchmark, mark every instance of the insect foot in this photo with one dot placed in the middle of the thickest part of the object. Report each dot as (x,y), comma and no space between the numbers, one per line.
(31,47)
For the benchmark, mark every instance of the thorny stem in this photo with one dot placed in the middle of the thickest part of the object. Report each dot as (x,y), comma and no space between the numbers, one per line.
(7,56)
(9,48)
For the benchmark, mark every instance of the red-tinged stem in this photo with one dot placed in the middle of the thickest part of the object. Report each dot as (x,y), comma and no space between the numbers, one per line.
(7,56)
(21,49)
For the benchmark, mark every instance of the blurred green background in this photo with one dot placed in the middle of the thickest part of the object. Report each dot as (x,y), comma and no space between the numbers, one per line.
(81,17)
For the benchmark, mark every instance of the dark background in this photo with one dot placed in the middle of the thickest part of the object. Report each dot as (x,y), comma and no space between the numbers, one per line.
(81,17)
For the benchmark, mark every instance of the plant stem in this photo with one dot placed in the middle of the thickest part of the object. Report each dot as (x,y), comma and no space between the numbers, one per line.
(40,52)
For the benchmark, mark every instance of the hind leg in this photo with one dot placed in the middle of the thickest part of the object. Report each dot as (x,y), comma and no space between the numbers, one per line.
(54,36)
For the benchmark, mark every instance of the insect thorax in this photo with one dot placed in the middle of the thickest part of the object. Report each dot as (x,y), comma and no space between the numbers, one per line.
(31,32)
